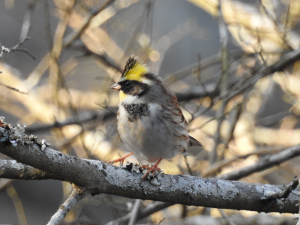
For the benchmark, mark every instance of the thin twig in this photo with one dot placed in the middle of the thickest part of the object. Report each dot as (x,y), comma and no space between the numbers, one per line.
(78,119)
(234,116)
(26,29)
(15,49)
(162,220)
(284,193)
(134,211)
(225,162)
(12,193)
(270,120)
(298,223)
(26,22)
(225,217)
(264,163)
(73,36)
(275,23)
(287,19)
(205,64)
(199,73)
(14,89)
(188,165)
(104,58)
(24,50)
(147,211)
(224,82)
(76,195)
(259,73)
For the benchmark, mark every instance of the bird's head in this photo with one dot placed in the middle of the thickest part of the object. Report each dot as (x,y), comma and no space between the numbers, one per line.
(133,81)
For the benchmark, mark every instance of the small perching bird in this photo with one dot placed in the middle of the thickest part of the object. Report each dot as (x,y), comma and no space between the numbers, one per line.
(150,121)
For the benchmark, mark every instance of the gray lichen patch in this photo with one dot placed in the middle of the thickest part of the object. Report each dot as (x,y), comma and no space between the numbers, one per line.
(228,190)
(15,135)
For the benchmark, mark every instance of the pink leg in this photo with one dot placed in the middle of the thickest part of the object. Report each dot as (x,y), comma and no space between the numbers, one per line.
(121,159)
(152,169)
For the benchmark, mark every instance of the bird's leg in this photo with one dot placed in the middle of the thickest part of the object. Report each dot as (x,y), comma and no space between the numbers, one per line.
(121,159)
(152,169)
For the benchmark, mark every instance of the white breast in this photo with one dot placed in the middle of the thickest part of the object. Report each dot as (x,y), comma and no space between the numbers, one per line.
(151,137)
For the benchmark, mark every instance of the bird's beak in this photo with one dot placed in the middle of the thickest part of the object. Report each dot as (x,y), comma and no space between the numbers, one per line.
(116,86)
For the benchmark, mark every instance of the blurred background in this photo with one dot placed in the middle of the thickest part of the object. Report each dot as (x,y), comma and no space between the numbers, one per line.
(66,54)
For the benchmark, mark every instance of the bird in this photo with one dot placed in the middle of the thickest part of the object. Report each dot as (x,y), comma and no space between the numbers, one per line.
(149,119)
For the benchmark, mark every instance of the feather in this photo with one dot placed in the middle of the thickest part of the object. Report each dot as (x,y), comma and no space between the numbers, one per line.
(194,142)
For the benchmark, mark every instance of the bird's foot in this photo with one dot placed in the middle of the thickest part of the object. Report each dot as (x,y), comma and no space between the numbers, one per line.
(121,160)
(151,169)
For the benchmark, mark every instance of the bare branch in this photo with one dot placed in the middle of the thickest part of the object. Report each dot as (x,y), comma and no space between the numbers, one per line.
(104,58)
(284,61)
(270,120)
(15,48)
(26,23)
(134,211)
(14,89)
(100,177)
(81,118)
(143,213)
(72,37)
(12,193)
(266,162)
(285,193)
(205,64)
(24,50)
(4,183)
(192,93)
(226,218)
(11,169)
(199,92)
(218,165)
(76,195)
(224,83)
(3,50)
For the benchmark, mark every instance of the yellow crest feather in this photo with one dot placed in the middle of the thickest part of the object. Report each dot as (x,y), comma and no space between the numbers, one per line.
(134,70)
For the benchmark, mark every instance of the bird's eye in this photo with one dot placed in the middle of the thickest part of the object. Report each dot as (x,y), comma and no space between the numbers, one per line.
(127,84)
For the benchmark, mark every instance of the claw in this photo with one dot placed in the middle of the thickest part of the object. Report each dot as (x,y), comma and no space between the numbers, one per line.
(121,160)
(151,169)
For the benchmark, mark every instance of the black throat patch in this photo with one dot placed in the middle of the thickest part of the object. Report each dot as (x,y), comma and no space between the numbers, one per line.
(136,111)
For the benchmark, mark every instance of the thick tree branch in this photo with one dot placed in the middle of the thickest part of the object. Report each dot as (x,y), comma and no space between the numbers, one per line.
(11,169)
(100,177)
